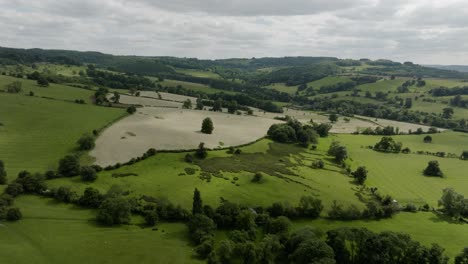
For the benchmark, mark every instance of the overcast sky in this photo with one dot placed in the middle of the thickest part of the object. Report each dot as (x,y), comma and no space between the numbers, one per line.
(423,31)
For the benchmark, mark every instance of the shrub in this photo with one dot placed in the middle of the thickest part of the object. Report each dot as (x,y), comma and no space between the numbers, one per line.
(257,177)
(387,144)
(86,142)
(114,210)
(338,151)
(14,214)
(131,109)
(427,139)
(69,166)
(3,173)
(14,189)
(318,164)
(360,175)
(464,155)
(188,158)
(201,152)
(88,174)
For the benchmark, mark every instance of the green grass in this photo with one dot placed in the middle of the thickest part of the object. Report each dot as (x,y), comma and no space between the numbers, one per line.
(400,175)
(427,228)
(281,87)
(381,86)
(37,132)
(199,73)
(56,91)
(51,232)
(287,177)
(330,80)
(194,86)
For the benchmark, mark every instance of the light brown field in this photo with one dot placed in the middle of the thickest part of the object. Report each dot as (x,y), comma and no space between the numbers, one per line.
(170,129)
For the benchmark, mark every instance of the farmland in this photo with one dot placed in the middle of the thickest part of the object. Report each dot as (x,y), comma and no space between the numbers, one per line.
(239,172)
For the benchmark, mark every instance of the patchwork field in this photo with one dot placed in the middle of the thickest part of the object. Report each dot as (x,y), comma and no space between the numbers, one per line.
(164,128)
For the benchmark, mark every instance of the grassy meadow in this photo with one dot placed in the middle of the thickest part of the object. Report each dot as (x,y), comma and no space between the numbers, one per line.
(37,132)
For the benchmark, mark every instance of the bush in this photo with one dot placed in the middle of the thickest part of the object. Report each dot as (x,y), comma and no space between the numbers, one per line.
(14,189)
(207,126)
(188,158)
(14,214)
(433,169)
(257,177)
(69,166)
(338,151)
(201,152)
(114,211)
(3,173)
(387,144)
(131,110)
(427,139)
(86,142)
(88,174)
(151,217)
(318,164)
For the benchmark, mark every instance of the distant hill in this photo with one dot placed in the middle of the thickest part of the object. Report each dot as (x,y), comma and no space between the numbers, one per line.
(460,68)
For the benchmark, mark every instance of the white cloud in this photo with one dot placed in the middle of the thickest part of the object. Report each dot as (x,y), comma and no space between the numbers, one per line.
(424,31)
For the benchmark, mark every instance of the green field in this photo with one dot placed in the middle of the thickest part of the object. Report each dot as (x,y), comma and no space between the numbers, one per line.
(56,91)
(37,132)
(400,175)
(194,86)
(381,86)
(52,232)
(199,73)
(427,228)
(330,80)
(281,87)
(158,175)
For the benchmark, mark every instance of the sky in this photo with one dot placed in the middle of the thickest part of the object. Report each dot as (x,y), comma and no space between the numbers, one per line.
(422,31)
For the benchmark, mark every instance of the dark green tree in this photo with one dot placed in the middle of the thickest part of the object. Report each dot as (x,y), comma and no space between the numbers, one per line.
(433,169)
(427,139)
(201,152)
(42,81)
(218,105)
(116,97)
(447,113)
(197,207)
(91,198)
(199,105)
(462,258)
(338,151)
(3,174)
(88,174)
(114,210)
(360,174)
(333,118)
(187,104)
(207,126)
(232,107)
(69,166)
(86,142)
(14,214)
(131,109)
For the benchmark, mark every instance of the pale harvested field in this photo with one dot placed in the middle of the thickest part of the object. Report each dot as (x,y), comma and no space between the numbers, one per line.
(169,129)
(404,127)
(144,101)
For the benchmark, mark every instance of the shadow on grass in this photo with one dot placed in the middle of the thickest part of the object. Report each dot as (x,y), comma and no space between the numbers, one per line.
(439,218)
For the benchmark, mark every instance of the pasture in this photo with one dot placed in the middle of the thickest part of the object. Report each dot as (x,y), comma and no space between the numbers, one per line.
(400,175)
(37,132)
(285,167)
(52,232)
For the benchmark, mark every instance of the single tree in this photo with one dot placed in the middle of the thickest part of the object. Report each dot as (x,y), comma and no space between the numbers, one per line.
(116,97)
(218,105)
(433,169)
(408,103)
(427,139)
(232,107)
(462,258)
(207,126)
(86,142)
(333,118)
(199,105)
(14,87)
(447,113)
(338,151)
(360,174)
(3,174)
(197,207)
(201,152)
(114,210)
(69,166)
(464,155)
(187,104)
(42,81)
(131,109)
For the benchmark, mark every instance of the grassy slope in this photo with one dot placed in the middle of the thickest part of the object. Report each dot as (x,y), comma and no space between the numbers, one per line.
(427,228)
(381,85)
(37,132)
(57,233)
(281,87)
(199,73)
(330,80)
(193,86)
(56,91)
(400,175)
(159,175)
